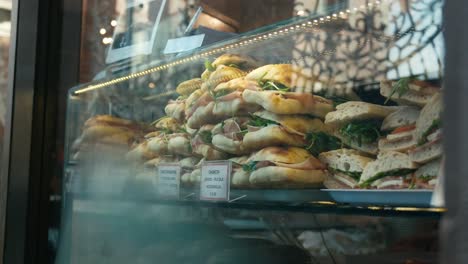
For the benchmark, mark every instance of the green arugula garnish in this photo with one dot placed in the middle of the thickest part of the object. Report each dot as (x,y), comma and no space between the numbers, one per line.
(353,174)
(436,124)
(257,121)
(209,66)
(273,86)
(206,136)
(378,176)
(367,131)
(321,142)
(400,87)
(426,177)
(250,166)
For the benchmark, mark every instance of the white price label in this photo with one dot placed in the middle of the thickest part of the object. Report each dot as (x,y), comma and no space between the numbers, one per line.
(169,180)
(215,180)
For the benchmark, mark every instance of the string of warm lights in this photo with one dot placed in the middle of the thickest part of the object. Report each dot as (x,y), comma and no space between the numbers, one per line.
(245,42)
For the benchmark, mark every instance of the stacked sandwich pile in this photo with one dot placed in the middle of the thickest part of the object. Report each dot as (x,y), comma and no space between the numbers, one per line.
(254,117)
(278,136)
(393,147)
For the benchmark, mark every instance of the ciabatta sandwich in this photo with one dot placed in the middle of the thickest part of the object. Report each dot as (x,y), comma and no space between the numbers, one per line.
(358,124)
(240,177)
(228,135)
(391,170)
(345,167)
(241,62)
(202,144)
(428,132)
(408,91)
(426,175)
(285,167)
(269,129)
(401,126)
(229,101)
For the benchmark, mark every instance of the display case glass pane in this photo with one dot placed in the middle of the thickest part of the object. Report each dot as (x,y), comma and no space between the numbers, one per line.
(263,111)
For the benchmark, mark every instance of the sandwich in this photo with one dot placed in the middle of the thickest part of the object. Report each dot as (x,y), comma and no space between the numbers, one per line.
(391,170)
(345,167)
(222,74)
(268,129)
(112,130)
(241,62)
(408,91)
(426,176)
(188,87)
(228,135)
(428,132)
(187,165)
(285,167)
(240,177)
(179,144)
(195,176)
(158,141)
(140,153)
(176,109)
(399,126)
(199,110)
(358,124)
(276,93)
(202,144)
(228,98)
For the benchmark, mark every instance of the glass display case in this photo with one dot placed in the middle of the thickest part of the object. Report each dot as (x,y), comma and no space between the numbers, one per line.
(249,132)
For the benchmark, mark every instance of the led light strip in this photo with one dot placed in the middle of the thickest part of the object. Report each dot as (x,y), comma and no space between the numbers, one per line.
(260,38)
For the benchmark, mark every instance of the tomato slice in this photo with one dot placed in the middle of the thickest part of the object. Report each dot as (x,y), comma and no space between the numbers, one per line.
(403,129)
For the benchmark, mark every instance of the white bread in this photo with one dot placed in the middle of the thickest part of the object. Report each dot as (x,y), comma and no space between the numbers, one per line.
(427,152)
(345,160)
(288,103)
(189,162)
(418,94)
(430,113)
(400,145)
(240,178)
(404,116)
(272,135)
(286,177)
(395,137)
(351,111)
(236,106)
(430,169)
(386,162)
(188,87)
(209,152)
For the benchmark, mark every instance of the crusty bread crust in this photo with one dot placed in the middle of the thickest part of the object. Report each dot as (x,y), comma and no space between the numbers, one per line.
(431,168)
(352,111)
(240,178)
(289,155)
(286,177)
(345,160)
(289,103)
(188,87)
(272,135)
